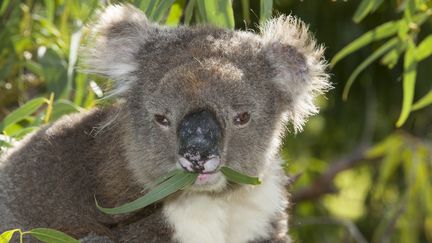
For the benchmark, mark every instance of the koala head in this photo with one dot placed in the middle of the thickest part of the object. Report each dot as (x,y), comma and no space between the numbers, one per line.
(199,98)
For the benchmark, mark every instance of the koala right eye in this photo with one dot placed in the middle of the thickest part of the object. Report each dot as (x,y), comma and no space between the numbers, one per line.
(162,120)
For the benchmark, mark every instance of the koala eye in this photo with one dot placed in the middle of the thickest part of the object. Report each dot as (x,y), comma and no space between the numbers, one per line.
(162,120)
(241,118)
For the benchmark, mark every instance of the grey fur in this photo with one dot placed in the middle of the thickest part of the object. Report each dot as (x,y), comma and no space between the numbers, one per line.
(51,177)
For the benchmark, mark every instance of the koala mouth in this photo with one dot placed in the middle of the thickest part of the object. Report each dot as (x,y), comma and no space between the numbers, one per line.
(208,166)
(209,176)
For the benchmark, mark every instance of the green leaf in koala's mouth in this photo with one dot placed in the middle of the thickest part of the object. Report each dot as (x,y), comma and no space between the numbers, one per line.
(178,181)
(237,177)
(172,182)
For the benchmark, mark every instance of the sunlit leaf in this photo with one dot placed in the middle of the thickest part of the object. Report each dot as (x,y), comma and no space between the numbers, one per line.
(380,32)
(380,149)
(12,129)
(392,57)
(389,165)
(6,236)
(4,6)
(237,177)
(246,11)
(364,8)
(50,9)
(219,13)
(54,69)
(151,7)
(51,236)
(22,112)
(22,132)
(80,88)
(63,107)
(409,10)
(162,9)
(409,77)
(189,11)
(175,183)
(35,67)
(175,14)
(392,43)
(423,102)
(424,49)
(142,4)
(266,9)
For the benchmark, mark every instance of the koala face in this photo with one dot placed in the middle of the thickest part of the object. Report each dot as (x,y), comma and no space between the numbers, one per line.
(201,98)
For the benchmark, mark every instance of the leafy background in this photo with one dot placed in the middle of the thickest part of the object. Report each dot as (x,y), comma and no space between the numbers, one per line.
(362,169)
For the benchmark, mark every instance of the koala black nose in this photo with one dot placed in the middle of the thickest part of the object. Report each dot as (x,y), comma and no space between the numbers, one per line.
(199,134)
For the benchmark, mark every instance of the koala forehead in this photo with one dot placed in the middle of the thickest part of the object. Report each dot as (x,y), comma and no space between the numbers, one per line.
(210,82)
(199,52)
(201,64)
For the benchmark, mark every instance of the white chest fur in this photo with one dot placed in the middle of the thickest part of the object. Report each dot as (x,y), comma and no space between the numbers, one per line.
(238,218)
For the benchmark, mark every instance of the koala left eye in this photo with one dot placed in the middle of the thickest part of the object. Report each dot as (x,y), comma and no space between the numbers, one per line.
(162,120)
(241,118)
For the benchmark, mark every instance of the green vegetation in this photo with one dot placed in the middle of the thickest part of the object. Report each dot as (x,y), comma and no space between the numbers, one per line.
(362,169)
(171,183)
(42,234)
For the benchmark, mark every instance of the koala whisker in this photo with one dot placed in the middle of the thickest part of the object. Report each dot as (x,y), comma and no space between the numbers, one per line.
(109,124)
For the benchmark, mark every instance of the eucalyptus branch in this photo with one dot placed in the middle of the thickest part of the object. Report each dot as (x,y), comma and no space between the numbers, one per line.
(324,183)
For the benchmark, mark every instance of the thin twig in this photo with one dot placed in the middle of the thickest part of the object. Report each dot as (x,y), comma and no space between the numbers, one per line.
(324,183)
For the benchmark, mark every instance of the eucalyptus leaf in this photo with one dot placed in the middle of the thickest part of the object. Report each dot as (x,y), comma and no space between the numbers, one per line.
(25,110)
(4,6)
(180,180)
(161,179)
(237,177)
(6,236)
(51,236)
(22,132)
(380,32)
(423,102)
(170,183)
(409,77)
(62,107)
(392,43)
(366,7)
(424,49)
(219,13)
(175,14)
(151,7)
(189,12)
(266,9)
(246,11)
(392,57)
(162,9)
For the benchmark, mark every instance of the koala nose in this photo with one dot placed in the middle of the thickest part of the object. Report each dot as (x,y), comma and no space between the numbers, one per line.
(199,135)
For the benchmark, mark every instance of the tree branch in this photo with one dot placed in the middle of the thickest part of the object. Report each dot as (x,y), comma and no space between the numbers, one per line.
(324,183)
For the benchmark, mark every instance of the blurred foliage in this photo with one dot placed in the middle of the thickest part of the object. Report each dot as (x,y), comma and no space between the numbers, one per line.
(366,180)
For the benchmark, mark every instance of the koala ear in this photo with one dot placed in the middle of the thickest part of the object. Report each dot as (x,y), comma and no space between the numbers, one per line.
(115,37)
(299,66)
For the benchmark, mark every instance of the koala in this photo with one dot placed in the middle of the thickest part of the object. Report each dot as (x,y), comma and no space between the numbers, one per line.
(191,98)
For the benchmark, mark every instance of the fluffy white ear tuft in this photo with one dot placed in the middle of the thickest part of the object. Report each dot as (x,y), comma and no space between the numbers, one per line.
(299,66)
(115,38)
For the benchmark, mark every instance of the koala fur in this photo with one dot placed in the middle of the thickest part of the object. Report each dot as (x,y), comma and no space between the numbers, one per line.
(51,177)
